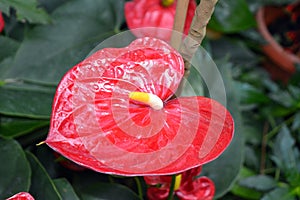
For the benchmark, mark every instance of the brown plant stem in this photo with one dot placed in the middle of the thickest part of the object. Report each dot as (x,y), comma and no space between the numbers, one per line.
(196,34)
(179,21)
(263,148)
(197,31)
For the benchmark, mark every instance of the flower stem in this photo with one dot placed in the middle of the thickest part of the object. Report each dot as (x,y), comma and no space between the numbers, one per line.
(179,21)
(172,186)
(276,129)
(139,187)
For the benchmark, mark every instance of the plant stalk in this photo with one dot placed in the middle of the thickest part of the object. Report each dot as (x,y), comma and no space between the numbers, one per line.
(172,186)
(179,21)
(139,187)
(197,31)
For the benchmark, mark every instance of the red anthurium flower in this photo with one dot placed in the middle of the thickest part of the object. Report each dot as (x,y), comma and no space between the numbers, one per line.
(155,13)
(112,113)
(21,196)
(2,23)
(187,186)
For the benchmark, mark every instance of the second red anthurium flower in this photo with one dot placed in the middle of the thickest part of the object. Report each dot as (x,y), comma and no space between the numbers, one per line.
(187,186)
(140,14)
(113,113)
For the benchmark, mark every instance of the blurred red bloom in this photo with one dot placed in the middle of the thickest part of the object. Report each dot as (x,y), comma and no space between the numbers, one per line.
(21,196)
(152,13)
(2,23)
(190,187)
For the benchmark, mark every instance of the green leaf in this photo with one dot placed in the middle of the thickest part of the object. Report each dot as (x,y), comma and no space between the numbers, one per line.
(283,98)
(259,182)
(278,194)
(285,154)
(236,51)
(14,169)
(42,187)
(232,16)
(26,10)
(107,191)
(296,122)
(65,189)
(10,45)
(251,157)
(51,5)
(241,191)
(26,102)
(225,169)
(49,51)
(5,65)
(15,127)
(6,54)
(246,193)
(249,94)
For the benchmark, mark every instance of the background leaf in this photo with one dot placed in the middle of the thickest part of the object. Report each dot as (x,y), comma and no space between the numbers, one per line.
(14,169)
(26,10)
(25,102)
(232,16)
(108,191)
(10,45)
(15,127)
(42,187)
(285,155)
(65,189)
(278,194)
(259,182)
(225,169)
(50,50)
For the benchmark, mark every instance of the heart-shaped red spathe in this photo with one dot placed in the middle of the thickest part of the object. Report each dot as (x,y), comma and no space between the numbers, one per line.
(95,124)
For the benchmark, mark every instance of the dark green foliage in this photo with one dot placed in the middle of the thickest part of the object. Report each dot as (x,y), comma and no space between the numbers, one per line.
(44,39)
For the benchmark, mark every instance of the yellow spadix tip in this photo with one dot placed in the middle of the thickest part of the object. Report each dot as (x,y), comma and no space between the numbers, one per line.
(147,98)
(167,3)
(40,143)
(177,181)
(142,97)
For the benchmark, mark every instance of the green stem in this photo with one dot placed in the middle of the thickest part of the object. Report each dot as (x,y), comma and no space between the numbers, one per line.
(139,187)
(110,178)
(170,197)
(276,129)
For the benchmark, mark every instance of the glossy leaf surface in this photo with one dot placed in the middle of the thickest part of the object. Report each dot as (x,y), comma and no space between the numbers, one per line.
(50,50)
(106,191)
(65,189)
(14,127)
(232,16)
(42,187)
(26,10)
(14,169)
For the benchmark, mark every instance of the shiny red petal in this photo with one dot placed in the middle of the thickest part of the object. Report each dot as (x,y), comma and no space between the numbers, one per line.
(200,189)
(161,180)
(94,122)
(21,196)
(157,193)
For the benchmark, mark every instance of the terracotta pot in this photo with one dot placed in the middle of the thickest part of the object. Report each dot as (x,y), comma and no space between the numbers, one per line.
(280,63)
